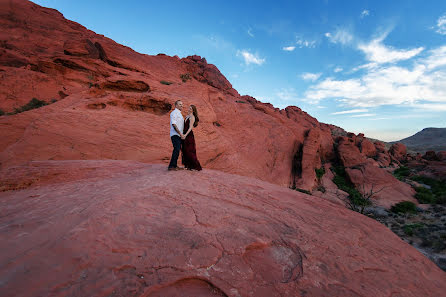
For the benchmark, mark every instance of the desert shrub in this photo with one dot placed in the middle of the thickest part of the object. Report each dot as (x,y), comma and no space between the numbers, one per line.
(356,201)
(185,77)
(436,193)
(165,82)
(303,191)
(320,172)
(240,101)
(321,188)
(438,186)
(401,173)
(441,199)
(424,195)
(404,207)
(410,229)
(32,104)
(1,112)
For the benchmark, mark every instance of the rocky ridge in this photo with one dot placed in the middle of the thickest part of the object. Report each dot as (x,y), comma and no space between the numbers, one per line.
(112,102)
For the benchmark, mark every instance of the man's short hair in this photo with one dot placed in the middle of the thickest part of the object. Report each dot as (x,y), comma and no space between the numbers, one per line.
(176,102)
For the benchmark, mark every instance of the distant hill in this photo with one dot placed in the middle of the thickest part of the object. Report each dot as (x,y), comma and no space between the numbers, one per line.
(428,139)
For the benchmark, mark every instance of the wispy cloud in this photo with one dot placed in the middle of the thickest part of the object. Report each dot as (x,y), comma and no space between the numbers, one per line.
(350,111)
(341,35)
(289,48)
(419,86)
(250,32)
(250,58)
(377,52)
(364,13)
(301,43)
(338,69)
(363,115)
(441,24)
(311,76)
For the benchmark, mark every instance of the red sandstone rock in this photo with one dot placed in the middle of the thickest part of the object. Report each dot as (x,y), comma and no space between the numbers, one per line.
(366,176)
(398,150)
(383,159)
(114,105)
(389,191)
(349,153)
(430,156)
(367,148)
(130,229)
(441,156)
(380,146)
(310,160)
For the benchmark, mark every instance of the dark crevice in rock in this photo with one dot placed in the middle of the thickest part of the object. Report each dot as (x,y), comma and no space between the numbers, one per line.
(126,86)
(70,64)
(296,164)
(148,105)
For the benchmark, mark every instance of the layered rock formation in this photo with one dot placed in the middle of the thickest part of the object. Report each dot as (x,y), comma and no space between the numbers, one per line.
(113,103)
(124,228)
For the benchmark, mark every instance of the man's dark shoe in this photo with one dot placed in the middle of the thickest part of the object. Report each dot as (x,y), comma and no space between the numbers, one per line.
(172,168)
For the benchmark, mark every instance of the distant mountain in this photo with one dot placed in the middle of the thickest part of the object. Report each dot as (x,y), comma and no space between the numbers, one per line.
(428,139)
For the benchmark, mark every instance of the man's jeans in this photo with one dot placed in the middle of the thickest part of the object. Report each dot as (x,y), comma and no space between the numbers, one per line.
(176,141)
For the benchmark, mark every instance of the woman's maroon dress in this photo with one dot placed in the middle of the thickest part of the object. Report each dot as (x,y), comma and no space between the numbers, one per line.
(189,154)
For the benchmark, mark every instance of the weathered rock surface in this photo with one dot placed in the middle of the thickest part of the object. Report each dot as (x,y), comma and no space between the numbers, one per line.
(124,228)
(113,103)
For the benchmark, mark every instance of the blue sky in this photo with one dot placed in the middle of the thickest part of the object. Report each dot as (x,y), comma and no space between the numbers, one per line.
(377,67)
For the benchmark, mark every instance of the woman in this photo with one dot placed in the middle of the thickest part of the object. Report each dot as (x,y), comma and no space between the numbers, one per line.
(189,155)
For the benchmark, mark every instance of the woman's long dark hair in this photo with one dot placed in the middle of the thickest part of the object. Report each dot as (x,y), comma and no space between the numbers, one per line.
(194,111)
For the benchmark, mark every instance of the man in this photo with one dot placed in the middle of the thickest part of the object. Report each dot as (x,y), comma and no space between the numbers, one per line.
(176,133)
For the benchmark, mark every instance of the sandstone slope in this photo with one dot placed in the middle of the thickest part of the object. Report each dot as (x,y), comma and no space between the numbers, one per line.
(113,103)
(124,228)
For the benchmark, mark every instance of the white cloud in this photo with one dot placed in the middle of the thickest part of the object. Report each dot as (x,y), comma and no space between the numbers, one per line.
(441,24)
(338,69)
(437,58)
(365,66)
(250,32)
(377,52)
(311,76)
(289,48)
(350,111)
(419,86)
(306,43)
(431,106)
(250,58)
(363,115)
(364,13)
(342,36)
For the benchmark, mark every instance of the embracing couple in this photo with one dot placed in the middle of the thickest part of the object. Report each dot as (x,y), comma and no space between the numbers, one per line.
(182,137)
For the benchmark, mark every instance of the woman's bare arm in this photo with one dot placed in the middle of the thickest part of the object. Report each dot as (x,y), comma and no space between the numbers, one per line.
(191,124)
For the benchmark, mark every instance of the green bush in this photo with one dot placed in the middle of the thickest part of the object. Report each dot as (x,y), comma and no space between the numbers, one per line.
(356,201)
(320,172)
(404,207)
(303,191)
(32,104)
(401,173)
(1,112)
(165,82)
(185,77)
(424,195)
(409,229)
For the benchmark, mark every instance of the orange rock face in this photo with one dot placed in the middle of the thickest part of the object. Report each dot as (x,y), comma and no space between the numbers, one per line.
(114,103)
(124,228)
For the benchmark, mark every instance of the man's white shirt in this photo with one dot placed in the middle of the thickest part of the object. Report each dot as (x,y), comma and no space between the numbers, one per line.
(176,118)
